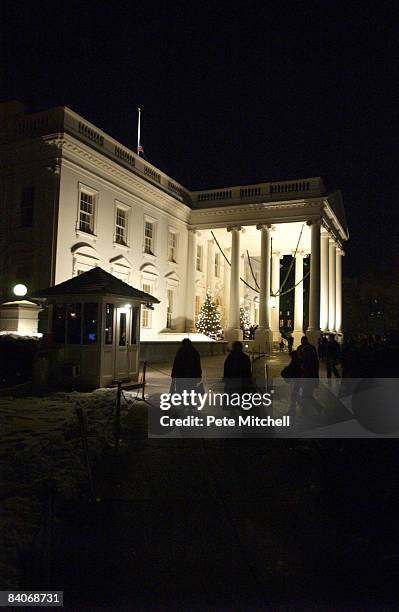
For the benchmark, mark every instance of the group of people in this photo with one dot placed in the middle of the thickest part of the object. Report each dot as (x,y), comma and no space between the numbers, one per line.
(363,357)
(237,371)
(371,356)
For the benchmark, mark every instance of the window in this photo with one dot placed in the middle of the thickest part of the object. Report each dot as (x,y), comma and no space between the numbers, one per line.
(27,203)
(149,237)
(169,309)
(86,212)
(59,323)
(90,322)
(109,324)
(135,321)
(217,265)
(198,265)
(74,323)
(146,312)
(122,329)
(172,246)
(121,226)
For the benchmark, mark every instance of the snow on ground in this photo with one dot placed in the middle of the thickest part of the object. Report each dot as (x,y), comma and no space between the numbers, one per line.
(41,446)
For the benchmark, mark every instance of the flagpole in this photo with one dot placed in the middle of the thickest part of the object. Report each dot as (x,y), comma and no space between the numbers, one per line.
(138,131)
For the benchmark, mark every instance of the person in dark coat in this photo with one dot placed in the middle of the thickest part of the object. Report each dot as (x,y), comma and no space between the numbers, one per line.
(186,371)
(309,374)
(237,373)
(292,373)
(333,354)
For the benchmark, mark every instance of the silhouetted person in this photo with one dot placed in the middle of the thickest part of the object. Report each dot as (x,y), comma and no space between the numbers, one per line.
(292,373)
(281,345)
(322,347)
(333,353)
(365,359)
(349,359)
(237,373)
(290,343)
(186,371)
(309,373)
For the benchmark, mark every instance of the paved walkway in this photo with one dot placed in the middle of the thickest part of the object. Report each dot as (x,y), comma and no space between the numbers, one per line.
(212,366)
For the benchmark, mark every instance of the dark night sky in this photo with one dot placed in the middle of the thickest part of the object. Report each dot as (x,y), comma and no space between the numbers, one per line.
(232,94)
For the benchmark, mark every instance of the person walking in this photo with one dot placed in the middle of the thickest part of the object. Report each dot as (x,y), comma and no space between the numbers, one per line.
(310,375)
(333,353)
(186,370)
(237,371)
(292,374)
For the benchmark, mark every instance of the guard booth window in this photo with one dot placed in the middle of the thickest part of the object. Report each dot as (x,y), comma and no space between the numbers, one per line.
(135,323)
(59,323)
(109,323)
(90,323)
(74,323)
(122,329)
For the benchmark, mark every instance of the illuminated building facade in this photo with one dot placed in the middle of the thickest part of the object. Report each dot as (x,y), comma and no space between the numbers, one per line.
(74,198)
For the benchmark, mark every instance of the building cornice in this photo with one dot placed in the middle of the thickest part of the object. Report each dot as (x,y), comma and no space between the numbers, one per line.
(74,152)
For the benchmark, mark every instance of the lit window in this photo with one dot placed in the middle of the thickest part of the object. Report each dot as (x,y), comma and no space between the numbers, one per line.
(149,237)
(199,258)
(169,309)
(172,246)
(121,226)
(146,312)
(217,265)
(86,212)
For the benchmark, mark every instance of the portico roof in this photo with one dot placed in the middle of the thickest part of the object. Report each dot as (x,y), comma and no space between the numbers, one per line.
(96,282)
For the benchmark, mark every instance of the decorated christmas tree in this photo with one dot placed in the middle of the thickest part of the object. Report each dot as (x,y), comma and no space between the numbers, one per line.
(245,321)
(208,320)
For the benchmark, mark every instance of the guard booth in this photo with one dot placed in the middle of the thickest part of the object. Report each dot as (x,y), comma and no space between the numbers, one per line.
(93,325)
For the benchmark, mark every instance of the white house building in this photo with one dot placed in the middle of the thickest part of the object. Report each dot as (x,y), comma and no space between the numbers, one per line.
(73,198)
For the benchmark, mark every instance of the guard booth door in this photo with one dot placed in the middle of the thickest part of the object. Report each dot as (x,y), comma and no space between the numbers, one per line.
(126,343)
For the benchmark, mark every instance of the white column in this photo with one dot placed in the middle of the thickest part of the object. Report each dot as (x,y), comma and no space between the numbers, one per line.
(313,331)
(233,331)
(226,286)
(190,288)
(338,291)
(275,310)
(298,304)
(324,324)
(263,336)
(331,286)
(243,287)
(210,265)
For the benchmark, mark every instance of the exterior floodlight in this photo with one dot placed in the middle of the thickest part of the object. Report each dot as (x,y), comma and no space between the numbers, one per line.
(20,290)
(272,301)
(127,306)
